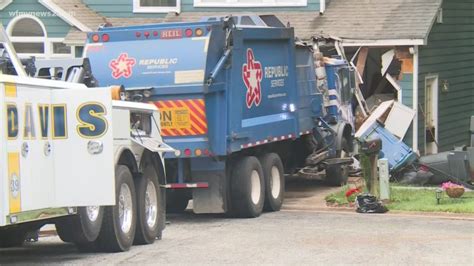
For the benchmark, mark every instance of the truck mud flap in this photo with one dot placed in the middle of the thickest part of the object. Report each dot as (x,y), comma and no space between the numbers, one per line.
(214,198)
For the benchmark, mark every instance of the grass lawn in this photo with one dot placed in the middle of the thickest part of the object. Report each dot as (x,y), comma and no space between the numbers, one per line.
(411,199)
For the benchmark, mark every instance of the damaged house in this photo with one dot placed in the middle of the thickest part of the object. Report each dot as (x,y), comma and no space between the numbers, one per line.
(419,53)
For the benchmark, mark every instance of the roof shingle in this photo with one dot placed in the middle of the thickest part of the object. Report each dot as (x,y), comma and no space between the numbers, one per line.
(355,19)
(377,20)
(351,20)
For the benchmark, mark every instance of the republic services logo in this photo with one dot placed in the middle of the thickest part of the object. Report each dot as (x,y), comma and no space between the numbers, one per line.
(122,66)
(252,76)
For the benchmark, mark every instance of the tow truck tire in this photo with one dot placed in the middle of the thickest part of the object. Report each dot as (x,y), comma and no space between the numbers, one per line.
(12,237)
(83,228)
(274,181)
(247,188)
(91,221)
(119,225)
(148,206)
(337,175)
(64,231)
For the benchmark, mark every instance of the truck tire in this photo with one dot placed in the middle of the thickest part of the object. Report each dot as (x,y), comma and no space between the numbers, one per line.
(177,200)
(12,237)
(64,231)
(119,225)
(247,188)
(337,175)
(274,181)
(83,228)
(148,206)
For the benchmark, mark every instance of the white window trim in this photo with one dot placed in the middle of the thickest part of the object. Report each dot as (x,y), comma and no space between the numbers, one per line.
(47,42)
(17,18)
(165,9)
(42,39)
(265,3)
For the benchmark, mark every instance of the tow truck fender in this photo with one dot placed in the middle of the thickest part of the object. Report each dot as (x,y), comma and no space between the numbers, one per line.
(123,155)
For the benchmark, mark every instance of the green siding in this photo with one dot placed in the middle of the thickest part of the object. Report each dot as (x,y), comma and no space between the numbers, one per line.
(406,83)
(118,9)
(450,55)
(407,89)
(55,26)
(124,8)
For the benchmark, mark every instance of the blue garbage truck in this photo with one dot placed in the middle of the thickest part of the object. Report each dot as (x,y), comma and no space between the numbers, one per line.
(239,104)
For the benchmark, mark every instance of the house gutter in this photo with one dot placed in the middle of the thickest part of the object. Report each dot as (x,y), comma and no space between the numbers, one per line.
(415,97)
(322,6)
(381,43)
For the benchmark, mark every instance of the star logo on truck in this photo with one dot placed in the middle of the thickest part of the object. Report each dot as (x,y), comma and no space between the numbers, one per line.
(122,66)
(252,76)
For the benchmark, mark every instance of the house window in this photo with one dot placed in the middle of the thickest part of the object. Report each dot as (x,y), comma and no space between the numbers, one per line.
(156,6)
(29,38)
(28,35)
(61,48)
(250,3)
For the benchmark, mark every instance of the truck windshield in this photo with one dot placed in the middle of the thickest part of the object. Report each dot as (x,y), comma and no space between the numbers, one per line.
(345,84)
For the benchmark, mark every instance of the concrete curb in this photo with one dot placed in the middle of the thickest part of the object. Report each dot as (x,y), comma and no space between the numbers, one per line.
(349,211)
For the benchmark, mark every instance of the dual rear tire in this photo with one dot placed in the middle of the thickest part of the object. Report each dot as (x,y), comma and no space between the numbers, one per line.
(151,213)
(119,225)
(83,228)
(135,218)
(257,185)
(274,181)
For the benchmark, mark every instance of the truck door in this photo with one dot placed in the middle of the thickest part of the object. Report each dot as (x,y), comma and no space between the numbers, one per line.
(83,156)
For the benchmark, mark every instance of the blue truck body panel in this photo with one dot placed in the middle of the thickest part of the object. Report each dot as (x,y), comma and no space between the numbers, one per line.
(257,97)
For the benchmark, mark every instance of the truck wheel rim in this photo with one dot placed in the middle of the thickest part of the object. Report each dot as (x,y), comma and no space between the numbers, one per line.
(92,213)
(275,185)
(256,187)
(125,208)
(151,204)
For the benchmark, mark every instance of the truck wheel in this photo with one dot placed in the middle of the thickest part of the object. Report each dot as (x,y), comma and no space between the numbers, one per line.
(176,201)
(247,188)
(337,175)
(274,181)
(149,207)
(64,230)
(118,228)
(82,228)
(12,237)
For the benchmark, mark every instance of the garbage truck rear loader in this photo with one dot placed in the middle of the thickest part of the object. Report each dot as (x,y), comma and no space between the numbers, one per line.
(240,106)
